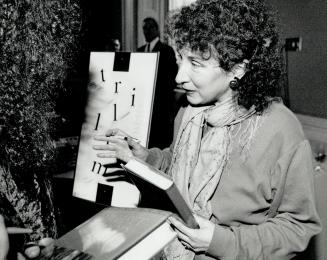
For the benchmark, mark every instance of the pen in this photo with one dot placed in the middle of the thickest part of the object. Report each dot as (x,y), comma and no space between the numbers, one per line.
(127,137)
(18,230)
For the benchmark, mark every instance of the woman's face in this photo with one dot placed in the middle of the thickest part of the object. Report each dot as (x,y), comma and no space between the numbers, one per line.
(203,79)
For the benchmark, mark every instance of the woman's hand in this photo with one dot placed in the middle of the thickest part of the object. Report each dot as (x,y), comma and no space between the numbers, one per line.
(45,245)
(197,240)
(120,146)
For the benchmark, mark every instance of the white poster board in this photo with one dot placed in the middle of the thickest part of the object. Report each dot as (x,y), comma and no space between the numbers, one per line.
(120,95)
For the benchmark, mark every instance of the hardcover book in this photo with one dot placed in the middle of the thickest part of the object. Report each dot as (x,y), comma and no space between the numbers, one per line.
(164,183)
(120,233)
(120,95)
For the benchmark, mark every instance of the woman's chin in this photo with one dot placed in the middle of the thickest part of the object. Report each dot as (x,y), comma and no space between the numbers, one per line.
(195,101)
(192,99)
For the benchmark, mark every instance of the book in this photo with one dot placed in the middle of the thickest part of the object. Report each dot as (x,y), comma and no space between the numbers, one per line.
(162,181)
(54,252)
(120,95)
(119,233)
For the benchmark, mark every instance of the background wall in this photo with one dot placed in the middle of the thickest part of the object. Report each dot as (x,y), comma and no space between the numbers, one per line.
(307,76)
(307,68)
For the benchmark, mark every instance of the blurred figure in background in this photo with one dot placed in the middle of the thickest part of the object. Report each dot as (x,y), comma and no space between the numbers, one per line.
(116,44)
(113,45)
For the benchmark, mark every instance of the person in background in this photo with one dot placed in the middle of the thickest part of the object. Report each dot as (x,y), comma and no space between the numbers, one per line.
(164,106)
(116,46)
(113,44)
(239,156)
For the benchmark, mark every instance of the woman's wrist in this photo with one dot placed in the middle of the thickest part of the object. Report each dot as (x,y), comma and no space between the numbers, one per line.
(128,157)
(145,155)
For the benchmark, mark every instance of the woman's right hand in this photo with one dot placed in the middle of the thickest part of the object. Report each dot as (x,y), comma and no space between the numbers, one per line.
(120,146)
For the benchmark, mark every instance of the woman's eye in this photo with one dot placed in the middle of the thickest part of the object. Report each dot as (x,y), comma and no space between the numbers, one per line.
(196,63)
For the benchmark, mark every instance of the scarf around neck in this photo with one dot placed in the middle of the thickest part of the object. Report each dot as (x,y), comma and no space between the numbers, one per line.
(200,157)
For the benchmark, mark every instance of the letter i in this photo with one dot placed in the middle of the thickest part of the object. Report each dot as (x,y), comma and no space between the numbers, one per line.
(133,97)
(102,75)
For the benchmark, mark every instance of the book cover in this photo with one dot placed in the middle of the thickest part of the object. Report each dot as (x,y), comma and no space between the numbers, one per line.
(163,182)
(120,95)
(120,233)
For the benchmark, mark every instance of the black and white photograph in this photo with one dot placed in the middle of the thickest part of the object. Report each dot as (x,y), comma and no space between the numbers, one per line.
(163,129)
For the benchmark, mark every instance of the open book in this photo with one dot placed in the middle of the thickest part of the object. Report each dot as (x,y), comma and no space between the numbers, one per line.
(162,181)
(120,233)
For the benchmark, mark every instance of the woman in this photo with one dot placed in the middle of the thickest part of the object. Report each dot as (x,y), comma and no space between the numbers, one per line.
(239,156)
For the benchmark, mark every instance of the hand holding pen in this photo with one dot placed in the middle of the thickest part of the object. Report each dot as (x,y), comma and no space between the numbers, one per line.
(120,145)
(43,248)
(4,236)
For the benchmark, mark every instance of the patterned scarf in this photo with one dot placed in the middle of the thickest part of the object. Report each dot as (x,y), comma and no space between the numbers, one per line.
(200,156)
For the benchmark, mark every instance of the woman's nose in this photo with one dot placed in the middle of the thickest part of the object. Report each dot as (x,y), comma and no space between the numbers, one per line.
(181,76)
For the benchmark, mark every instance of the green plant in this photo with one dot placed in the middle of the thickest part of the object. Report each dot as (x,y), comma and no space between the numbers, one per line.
(38,43)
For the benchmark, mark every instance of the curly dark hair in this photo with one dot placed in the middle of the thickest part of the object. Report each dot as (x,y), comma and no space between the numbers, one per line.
(234,31)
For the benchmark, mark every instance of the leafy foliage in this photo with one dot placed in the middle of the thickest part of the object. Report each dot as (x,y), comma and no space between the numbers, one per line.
(38,42)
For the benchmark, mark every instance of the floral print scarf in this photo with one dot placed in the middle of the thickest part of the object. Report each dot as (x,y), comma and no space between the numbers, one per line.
(200,156)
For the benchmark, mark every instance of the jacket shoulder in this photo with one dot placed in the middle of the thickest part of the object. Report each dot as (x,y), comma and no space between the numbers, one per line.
(279,121)
(141,48)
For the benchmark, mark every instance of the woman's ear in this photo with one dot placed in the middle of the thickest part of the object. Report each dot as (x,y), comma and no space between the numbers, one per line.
(239,69)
